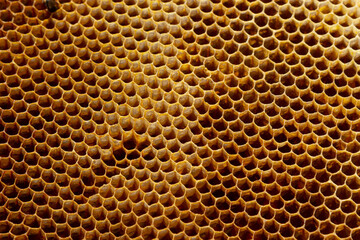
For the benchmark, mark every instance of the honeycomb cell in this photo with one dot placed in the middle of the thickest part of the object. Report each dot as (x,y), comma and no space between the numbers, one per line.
(179,119)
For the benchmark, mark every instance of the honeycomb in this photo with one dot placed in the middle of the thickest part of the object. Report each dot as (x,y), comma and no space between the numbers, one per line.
(180,119)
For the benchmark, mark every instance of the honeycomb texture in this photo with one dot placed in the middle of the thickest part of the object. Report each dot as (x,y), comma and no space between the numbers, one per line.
(182,119)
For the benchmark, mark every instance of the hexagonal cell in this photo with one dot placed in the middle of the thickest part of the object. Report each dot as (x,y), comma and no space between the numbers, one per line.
(219,108)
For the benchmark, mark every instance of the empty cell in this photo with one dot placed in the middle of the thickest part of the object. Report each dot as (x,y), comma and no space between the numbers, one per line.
(119,116)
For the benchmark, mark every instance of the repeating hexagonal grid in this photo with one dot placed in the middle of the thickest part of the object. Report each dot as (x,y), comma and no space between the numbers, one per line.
(183,119)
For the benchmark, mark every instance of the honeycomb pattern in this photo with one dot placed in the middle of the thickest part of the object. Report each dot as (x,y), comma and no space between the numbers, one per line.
(182,119)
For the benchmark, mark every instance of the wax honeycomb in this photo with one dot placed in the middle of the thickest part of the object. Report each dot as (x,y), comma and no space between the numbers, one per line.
(180,119)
